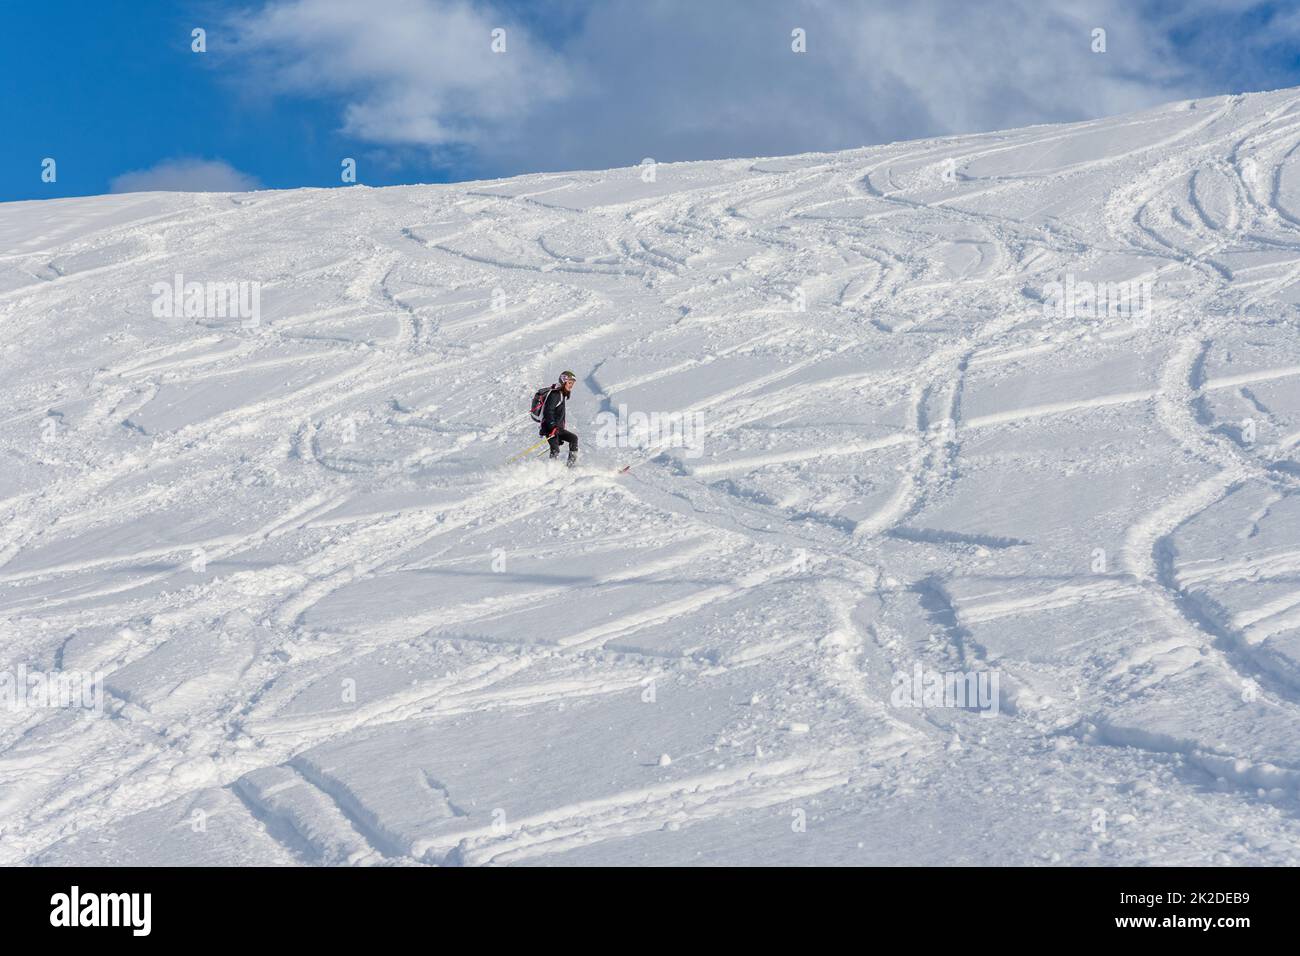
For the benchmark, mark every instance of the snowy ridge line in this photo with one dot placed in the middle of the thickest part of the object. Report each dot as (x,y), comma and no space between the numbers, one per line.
(22,294)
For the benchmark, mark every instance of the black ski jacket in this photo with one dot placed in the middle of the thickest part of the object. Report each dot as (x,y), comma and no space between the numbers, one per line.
(553,410)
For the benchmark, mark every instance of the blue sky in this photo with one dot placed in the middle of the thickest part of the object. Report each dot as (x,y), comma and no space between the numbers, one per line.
(413,92)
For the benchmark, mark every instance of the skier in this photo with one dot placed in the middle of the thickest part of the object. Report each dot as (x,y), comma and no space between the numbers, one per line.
(553,418)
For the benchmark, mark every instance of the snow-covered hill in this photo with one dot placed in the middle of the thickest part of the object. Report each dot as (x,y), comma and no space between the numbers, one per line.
(333,625)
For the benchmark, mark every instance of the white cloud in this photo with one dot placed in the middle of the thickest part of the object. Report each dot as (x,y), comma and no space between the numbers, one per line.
(409,72)
(186,176)
(679,79)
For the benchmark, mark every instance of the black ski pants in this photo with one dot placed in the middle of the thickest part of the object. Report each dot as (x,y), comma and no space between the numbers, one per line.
(562,435)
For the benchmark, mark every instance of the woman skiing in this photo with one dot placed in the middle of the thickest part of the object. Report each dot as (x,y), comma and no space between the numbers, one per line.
(553,418)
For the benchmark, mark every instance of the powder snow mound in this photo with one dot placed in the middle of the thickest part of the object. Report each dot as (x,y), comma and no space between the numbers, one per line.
(1015,412)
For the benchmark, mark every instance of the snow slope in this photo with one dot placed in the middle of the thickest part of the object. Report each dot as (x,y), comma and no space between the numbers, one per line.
(334,626)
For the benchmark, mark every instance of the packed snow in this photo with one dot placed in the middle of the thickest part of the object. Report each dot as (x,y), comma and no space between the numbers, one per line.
(877,432)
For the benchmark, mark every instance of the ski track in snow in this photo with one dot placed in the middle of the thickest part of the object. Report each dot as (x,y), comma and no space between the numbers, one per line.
(336,627)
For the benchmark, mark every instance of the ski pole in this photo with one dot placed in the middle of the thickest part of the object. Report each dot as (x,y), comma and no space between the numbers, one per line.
(530,448)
